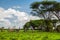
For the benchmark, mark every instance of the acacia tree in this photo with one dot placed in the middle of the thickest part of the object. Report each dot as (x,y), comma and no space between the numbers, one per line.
(41,8)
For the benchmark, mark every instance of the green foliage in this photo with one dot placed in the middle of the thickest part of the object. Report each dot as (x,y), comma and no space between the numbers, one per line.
(46,4)
(37,23)
(27,24)
(29,35)
(35,5)
(40,24)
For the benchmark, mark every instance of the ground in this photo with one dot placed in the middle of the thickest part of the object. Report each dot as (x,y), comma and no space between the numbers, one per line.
(29,35)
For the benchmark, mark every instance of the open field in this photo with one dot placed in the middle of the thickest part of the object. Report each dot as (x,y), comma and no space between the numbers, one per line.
(29,35)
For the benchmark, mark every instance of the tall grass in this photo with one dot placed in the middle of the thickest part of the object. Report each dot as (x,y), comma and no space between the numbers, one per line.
(29,35)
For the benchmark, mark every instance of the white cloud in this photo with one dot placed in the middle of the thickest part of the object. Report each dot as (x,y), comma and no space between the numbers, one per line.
(16,7)
(34,17)
(12,17)
(1,9)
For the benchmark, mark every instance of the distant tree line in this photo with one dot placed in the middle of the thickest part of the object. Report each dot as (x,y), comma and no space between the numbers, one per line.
(2,29)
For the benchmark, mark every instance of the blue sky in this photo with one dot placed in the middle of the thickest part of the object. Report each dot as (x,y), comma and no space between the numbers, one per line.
(24,4)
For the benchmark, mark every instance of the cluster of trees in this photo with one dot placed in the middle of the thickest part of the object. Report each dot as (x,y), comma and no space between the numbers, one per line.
(43,25)
(46,10)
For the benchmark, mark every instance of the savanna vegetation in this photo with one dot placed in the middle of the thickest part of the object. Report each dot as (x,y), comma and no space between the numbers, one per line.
(29,35)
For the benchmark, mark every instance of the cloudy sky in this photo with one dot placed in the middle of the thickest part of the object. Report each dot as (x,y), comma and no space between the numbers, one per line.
(15,12)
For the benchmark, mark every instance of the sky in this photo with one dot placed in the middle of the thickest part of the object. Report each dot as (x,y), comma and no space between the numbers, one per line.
(23,5)
(16,12)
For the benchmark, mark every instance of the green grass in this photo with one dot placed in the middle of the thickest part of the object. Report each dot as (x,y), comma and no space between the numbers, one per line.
(29,35)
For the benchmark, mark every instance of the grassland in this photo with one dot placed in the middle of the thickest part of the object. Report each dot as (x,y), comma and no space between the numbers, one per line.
(29,35)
